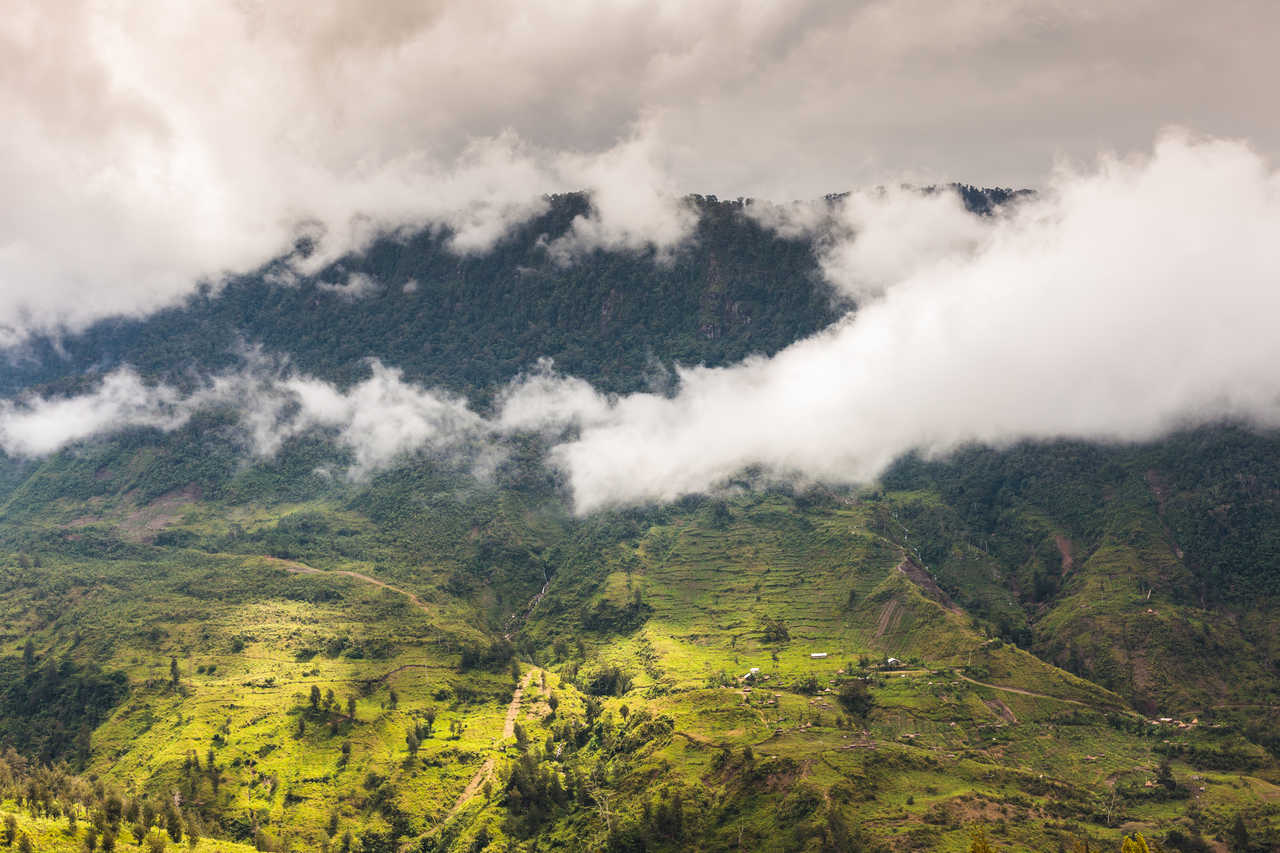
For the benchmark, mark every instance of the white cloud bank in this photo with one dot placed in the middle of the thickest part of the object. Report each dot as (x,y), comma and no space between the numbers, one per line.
(1121,303)
(379,420)
(40,426)
(151,144)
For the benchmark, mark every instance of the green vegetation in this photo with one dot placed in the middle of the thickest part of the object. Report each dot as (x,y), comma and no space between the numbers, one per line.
(1033,648)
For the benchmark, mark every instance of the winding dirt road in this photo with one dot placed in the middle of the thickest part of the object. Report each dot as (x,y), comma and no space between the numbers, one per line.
(303,569)
(1022,692)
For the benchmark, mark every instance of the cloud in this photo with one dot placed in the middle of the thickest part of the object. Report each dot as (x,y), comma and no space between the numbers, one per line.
(148,148)
(1124,302)
(39,426)
(357,286)
(870,239)
(543,400)
(634,203)
(380,419)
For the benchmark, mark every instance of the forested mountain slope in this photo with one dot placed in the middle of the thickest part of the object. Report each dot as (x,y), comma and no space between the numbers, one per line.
(1050,641)
(469,322)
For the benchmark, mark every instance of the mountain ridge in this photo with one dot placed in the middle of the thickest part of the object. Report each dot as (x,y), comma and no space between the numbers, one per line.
(1083,633)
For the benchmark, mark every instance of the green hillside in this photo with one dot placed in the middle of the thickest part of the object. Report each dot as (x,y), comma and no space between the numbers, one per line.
(1050,643)
(660,611)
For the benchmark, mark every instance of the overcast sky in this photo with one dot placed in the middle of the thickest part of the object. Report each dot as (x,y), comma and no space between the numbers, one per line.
(147,145)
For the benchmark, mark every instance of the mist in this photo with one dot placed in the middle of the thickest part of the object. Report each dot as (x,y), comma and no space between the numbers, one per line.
(379,420)
(148,148)
(1123,302)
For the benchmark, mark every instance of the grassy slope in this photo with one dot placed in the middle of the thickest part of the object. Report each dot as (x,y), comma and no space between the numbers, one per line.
(676,598)
(1036,767)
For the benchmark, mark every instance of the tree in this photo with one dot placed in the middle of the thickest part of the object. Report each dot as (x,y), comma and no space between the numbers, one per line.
(29,655)
(978,842)
(24,844)
(10,829)
(1165,775)
(173,671)
(113,808)
(173,822)
(351,707)
(431,720)
(315,698)
(774,630)
(411,743)
(91,838)
(856,697)
(108,841)
(1239,835)
(1134,844)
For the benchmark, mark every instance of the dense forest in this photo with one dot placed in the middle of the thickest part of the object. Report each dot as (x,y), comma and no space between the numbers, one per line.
(469,322)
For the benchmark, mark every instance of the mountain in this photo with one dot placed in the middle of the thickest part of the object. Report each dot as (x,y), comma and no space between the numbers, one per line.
(1047,643)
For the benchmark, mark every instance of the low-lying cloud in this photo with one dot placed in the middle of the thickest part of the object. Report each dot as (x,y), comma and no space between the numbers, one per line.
(379,420)
(1121,303)
(39,426)
(870,239)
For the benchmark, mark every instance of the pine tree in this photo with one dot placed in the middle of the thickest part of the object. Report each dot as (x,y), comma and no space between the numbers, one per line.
(1239,835)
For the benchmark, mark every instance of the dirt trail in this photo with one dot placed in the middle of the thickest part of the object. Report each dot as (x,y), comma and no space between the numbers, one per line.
(1021,692)
(513,708)
(508,731)
(304,569)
